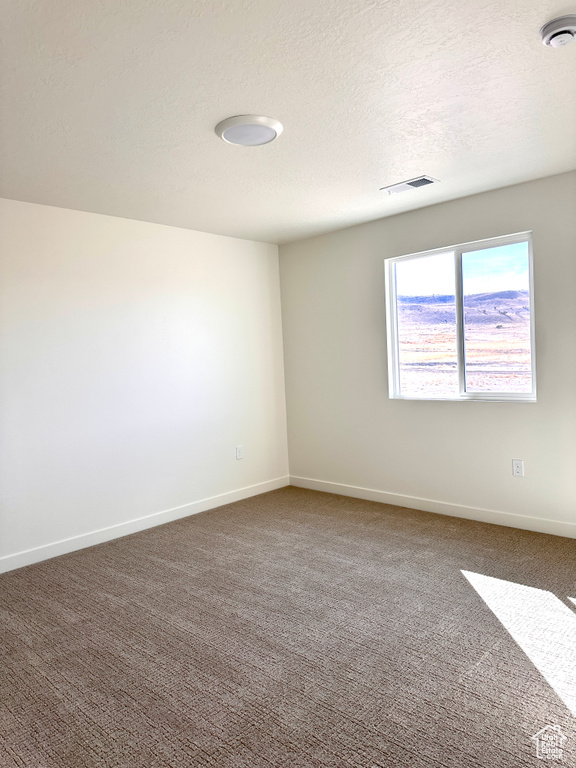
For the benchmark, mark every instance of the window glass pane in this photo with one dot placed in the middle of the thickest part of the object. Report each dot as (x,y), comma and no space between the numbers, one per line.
(426,315)
(496,303)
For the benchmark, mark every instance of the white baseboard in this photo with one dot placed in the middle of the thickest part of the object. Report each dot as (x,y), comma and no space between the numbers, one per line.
(37,554)
(524,522)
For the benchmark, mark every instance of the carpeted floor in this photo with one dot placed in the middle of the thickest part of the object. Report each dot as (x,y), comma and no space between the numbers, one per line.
(295,629)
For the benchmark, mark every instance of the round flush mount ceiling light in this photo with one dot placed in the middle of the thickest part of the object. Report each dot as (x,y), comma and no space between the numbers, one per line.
(248,130)
(559,32)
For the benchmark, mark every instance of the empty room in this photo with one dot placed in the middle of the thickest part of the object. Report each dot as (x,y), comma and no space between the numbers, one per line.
(287,384)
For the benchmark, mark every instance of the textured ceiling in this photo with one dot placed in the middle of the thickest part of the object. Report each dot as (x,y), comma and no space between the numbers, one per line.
(109,106)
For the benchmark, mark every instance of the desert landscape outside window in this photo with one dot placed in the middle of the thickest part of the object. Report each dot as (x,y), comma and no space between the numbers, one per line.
(461,322)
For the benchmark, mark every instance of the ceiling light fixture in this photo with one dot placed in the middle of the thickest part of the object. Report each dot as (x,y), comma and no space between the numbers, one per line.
(559,32)
(248,130)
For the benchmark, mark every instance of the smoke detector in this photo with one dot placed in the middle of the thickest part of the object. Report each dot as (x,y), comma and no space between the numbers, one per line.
(559,32)
(405,186)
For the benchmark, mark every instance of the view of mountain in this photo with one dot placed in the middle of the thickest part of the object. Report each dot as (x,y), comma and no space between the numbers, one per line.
(497,342)
(501,308)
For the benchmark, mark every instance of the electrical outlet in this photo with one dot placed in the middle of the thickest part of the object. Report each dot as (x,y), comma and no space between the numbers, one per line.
(239,451)
(517,467)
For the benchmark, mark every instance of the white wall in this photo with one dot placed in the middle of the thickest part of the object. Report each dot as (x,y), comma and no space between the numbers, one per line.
(452,457)
(133,358)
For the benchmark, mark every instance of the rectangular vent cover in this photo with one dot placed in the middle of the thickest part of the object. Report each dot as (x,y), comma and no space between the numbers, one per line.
(404,186)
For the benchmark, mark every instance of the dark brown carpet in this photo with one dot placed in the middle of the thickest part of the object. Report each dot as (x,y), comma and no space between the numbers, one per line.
(294,629)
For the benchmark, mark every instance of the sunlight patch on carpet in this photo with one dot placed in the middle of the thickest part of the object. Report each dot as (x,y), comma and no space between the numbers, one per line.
(541,624)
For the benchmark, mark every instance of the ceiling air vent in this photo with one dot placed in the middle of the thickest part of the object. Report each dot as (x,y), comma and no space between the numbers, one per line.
(404,186)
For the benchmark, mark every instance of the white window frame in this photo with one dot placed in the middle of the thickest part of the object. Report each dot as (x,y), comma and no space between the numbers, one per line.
(394,391)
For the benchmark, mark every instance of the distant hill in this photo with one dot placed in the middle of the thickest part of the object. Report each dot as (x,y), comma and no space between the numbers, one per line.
(473,298)
(506,297)
(500,308)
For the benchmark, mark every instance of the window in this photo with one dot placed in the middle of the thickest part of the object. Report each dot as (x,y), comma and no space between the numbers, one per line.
(461,322)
